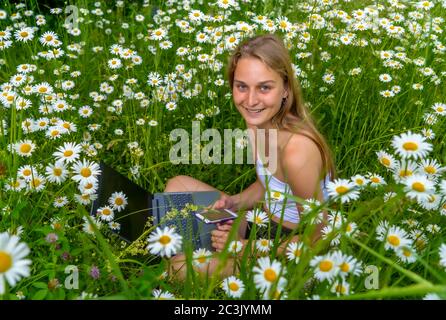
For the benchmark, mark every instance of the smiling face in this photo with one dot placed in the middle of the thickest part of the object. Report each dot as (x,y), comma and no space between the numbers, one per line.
(257,92)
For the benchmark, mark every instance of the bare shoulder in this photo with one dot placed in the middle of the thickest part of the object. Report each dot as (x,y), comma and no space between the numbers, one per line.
(300,151)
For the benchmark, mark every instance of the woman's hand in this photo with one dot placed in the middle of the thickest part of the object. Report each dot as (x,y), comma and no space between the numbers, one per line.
(220,235)
(225,202)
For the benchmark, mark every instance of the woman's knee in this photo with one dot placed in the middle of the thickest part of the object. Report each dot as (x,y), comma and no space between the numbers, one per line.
(177,184)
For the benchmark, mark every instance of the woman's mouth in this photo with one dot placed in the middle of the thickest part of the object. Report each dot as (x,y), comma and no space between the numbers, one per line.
(254,110)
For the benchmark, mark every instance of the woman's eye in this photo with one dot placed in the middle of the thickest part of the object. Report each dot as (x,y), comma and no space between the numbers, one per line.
(241,87)
(264,88)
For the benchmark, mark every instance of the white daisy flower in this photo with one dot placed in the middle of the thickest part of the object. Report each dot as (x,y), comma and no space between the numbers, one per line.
(13,265)
(162,295)
(68,153)
(294,251)
(233,287)
(413,145)
(85,171)
(258,217)
(386,159)
(263,245)
(340,288)
(396,238)
(36,183)
(406,254)
(347,264)
(118,200)
(56,173)
(201,257)
(269,273)
(342,189)
(419,187)
(24,148)
(105,213)
(235,247)
(164,242)
(325,267)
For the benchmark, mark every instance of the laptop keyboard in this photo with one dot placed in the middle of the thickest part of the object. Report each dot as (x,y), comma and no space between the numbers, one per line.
(186,226)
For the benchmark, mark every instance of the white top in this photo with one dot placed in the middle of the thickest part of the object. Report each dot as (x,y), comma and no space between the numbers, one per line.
(274,194)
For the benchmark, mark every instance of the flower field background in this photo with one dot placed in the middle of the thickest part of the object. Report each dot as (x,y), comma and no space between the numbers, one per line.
(109,80)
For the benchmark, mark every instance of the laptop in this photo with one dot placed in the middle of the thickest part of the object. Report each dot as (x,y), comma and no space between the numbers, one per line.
(143,205)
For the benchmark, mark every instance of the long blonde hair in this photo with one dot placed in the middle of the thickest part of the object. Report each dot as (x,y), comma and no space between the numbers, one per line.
(293,115)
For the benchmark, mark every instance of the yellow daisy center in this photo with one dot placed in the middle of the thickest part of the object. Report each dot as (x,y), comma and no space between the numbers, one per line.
(57,226)
(25,148)
(393,240)
(385,162)
(430,169)
(341,189)
(24,34)
(341,289)
(418,186)
(375,180)
(264,243)
(26,172)
(85,172)
(43,89)
(57,172)
(407,252)
(325,265)
(410,146)
(345,267)
(201,259)
(276,194)
(36,182)
(165,239)
(68,153)
(233,286)
(5,261)
(405,173)
(297,252)
(106,212)
(10,98)
(270,275)
(119,201)
(55,133)
(359,182)
(48,38)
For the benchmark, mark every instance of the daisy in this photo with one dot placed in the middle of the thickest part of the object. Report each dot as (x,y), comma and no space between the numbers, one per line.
(115,226)
(162,295)
(88,227)
(385,77)
(171,106)
(268,274)
(396,238)
(342,189)
(164,242)
(49,38)
(59,202)
(294,251)
(114,63)
(68,153)
(13,265)
(431,167)
(24,34)
(411,145)
(404,169)
(15,184)
(439,108)
(375,180)
(105,213)
(340,287)
(386,159)
(328,78)
(118,200)
(85,171)
(201,257)
(85,198)
(56,173)
(418,187)
(85,111)
(258,217)
(43,88)
(406,254)
(233,287)
(263,245)
(22,104)
(347,264)
(24,148)
(325,267)
(235,247)
(88,187)
(36,183)
(359,180)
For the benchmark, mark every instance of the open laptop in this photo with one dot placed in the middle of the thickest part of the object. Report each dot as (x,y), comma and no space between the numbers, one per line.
(142,205)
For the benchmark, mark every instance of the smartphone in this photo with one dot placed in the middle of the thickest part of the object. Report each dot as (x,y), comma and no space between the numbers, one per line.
(216,215)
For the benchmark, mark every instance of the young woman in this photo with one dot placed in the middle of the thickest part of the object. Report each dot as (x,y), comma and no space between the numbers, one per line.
(268,96)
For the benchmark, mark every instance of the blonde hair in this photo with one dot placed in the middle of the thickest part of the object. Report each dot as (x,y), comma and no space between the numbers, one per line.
(293,115)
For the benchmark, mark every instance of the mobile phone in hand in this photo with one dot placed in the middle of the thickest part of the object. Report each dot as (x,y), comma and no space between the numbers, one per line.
(216,215)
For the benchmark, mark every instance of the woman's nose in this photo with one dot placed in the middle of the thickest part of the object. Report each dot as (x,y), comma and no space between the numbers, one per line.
(252,98)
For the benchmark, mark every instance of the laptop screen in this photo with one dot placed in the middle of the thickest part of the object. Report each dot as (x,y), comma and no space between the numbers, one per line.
(138,209)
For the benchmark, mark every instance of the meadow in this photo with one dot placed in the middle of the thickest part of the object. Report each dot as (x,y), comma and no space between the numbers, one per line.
(108,81)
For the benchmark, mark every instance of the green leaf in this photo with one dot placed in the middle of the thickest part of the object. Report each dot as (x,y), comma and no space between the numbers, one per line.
(40,295)
(40,285)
